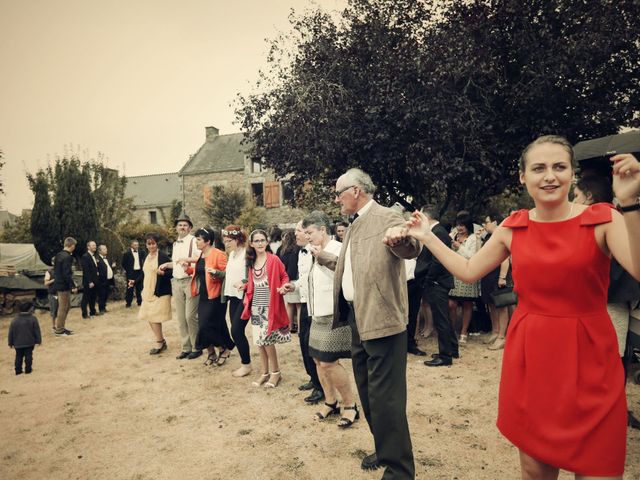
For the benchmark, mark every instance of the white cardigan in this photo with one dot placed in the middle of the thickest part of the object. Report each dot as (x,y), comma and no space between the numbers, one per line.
(320,301)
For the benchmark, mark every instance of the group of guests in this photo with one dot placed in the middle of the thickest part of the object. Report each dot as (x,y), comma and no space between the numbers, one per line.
(561,398)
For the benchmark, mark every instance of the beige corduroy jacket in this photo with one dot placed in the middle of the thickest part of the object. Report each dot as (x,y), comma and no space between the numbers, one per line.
(380,285)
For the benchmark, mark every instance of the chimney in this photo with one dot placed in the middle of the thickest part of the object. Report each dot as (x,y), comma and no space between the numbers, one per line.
(211,133)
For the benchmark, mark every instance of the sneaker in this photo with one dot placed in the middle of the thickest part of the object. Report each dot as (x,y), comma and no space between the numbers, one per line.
(64,333)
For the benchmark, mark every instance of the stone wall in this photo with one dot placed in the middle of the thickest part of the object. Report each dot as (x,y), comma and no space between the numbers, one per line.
(194,193)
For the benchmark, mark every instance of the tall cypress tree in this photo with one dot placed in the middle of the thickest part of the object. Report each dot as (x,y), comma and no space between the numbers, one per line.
(45,227)
(74,205)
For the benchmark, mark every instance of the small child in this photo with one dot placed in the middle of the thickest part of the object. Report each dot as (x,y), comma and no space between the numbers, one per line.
(24,333)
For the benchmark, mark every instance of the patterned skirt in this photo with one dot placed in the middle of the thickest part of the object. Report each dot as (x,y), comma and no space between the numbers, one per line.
(260,327)
(327,344)
(464,291)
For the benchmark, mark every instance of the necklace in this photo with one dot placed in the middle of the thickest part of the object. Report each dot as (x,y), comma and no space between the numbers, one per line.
(258,272)
(534,214)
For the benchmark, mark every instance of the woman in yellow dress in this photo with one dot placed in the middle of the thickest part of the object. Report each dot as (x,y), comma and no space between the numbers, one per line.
(156,291)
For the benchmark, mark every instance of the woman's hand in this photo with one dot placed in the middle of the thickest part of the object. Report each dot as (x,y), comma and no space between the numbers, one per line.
(626,178)
(160,271)
(418,227)
(286,288)
(502,282)
(131,283)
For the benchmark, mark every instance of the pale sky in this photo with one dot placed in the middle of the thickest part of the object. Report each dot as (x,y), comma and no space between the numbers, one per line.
(137,80)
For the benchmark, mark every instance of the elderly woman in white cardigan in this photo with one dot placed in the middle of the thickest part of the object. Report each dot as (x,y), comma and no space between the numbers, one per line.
(326,345)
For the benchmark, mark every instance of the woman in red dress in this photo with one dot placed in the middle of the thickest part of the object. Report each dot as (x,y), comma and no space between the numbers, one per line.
(561,400)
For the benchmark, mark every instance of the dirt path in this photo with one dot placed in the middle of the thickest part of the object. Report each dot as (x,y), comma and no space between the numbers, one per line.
(99,407)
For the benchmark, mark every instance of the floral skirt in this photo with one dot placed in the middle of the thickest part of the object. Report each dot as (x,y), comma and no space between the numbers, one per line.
(260,328)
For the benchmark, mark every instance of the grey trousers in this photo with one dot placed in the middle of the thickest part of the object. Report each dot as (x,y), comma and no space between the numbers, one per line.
(186,312)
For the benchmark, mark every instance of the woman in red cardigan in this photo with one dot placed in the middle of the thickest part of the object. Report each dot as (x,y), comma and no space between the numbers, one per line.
(264,305)
(208,275)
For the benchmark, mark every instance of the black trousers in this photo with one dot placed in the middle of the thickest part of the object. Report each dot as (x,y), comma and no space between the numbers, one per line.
(238,329)
(137,289)
(89,300)
(414,289)
(380,370)
(103,295)
(303,334)
(438,299)
(26,354)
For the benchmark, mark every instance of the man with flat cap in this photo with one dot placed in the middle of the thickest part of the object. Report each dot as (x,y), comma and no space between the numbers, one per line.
(186,305)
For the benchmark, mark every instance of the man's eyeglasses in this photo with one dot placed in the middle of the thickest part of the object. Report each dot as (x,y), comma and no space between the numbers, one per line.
(340,192)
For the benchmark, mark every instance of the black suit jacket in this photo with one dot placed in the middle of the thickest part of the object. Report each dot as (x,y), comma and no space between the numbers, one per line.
(163,283)
(89,270)
(128,262)
(103,272)
(433,271)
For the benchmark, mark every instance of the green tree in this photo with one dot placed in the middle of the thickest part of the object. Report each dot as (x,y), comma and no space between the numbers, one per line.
(74,205)
(224,206)
(436,99)
(113,208)
(44,224)
(18,231)
(251,217)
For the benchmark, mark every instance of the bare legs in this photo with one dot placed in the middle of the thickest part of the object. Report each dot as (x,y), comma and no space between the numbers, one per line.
(270,368)
(156,328)
(335,381)
(467,311)
(533,469)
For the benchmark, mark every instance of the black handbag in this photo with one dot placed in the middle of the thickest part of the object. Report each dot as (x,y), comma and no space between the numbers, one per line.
(503,297)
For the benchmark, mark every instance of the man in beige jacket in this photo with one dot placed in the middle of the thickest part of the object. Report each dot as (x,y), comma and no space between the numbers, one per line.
(370,293)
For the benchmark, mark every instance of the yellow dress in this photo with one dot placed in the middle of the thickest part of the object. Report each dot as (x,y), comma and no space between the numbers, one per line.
(153,309)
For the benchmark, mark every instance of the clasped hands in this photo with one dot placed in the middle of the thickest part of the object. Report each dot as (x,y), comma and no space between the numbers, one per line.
(417,226)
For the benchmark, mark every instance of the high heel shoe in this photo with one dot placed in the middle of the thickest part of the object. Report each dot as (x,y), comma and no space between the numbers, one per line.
(211,360)
(222,358)
(273,383)
(261,380)
(333,410)
(156,351)
(462,340)
(346,422)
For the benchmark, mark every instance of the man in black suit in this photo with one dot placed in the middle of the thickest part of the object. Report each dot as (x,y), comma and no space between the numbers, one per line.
(437,282)
(89,265)
(105,278)
(132,261)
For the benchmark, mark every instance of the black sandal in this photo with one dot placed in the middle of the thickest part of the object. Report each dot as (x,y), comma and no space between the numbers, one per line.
(222,358)
(211,360)
(345,422)
(156,351)
(334,410)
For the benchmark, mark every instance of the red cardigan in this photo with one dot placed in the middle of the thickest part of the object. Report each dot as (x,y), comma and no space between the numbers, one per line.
(277,276)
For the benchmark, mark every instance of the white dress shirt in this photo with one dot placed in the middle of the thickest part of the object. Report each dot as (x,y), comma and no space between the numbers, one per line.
(181,249)
(347,276)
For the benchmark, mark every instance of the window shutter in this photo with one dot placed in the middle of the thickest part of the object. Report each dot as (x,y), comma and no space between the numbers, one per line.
(271,194)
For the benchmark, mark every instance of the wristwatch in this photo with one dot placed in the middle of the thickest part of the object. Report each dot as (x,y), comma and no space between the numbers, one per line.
(629,208)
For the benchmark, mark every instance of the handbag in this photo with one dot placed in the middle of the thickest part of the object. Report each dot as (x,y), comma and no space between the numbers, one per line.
(503,297)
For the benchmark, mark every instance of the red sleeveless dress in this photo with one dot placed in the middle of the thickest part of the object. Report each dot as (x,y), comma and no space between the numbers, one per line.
(562,398)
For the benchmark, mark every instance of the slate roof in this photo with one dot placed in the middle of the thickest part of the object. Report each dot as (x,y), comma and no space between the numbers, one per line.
(154,190)
(222,153)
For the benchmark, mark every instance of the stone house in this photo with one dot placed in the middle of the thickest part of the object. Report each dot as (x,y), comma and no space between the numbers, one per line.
(153,196)
(222,161)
